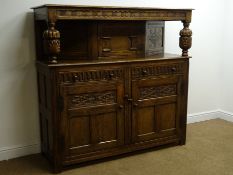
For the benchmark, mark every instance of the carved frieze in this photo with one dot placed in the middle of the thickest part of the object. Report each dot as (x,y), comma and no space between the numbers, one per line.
(119,14)
(159,91)
(92,75)
(141,72)
(93,99)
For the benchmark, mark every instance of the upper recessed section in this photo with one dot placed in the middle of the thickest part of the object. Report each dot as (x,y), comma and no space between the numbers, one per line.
(53,12)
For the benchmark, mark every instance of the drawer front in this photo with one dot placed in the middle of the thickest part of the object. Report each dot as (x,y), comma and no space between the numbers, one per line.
(152,70)
(90,74)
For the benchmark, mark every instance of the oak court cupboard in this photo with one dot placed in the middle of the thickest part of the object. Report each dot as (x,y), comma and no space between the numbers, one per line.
(105,85)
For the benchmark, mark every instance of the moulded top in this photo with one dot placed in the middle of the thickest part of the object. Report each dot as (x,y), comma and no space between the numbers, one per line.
(112,7)
(159,57)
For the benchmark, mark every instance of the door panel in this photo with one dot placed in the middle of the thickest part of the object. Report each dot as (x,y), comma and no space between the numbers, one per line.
(80,131)
(146,120)
(155,110)
(94,116)
(167,113)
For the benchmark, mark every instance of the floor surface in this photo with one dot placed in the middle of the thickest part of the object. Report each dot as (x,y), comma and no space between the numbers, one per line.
(208,151)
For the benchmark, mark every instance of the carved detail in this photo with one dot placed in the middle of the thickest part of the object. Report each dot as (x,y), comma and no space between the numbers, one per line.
(95,75)
(185,39)
(155,92)
(52,42)
(92,99)
(154,37)
(120,14)
(141,72)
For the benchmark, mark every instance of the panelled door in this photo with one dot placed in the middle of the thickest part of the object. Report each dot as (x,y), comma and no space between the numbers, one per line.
(93,117)
(155,112)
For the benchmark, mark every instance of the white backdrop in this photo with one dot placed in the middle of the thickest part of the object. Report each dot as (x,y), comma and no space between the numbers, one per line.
(210,68)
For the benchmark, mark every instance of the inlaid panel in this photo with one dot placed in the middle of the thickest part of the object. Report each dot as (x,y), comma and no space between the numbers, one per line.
(121,41)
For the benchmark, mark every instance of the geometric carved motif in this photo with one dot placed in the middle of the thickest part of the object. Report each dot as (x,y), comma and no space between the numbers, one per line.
(159,91)
(141,72)
(92,99)
(87,76)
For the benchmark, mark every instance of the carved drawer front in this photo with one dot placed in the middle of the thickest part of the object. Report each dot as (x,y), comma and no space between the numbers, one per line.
(155,108)
(140,72)
(94,117)
(90,75)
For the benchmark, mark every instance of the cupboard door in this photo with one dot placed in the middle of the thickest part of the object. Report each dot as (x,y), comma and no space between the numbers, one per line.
(93,117)
(155,108)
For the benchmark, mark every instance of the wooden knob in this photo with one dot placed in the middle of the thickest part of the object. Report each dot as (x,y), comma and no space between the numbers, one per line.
(111,75)
(121,106)
(135,104)
(173,69)
(144,72)
(130,99)
(75,77)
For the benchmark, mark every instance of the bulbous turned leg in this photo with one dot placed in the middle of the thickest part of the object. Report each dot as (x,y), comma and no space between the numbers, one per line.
(52,42)
(185,38)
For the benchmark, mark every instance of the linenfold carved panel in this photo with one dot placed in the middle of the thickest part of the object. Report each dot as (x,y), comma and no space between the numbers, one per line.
(93,99)
(159,91)
(148,71)
(92,75)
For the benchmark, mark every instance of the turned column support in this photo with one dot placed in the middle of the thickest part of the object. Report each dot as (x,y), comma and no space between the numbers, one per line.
(185,38)
(51,42)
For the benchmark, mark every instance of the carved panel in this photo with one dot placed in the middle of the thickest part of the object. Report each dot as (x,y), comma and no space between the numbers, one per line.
(93,99)
(159,91)
(141,72)
(86,76)
(154,37)
(119,14)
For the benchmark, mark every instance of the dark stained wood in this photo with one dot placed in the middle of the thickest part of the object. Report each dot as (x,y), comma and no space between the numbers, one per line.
(66,12)
(105,85)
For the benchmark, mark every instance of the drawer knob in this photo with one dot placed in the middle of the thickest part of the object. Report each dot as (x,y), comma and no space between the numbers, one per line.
(135,105)
(121,106)
(111,75)
(173,69)
(144,72)
(130,99)
(75,77)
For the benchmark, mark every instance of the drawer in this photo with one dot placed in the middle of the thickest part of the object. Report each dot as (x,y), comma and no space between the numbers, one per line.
(90,74)
(151,70)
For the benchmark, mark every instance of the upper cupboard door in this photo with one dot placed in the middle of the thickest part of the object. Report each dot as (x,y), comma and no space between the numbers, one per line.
(155,109)
(93,117)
